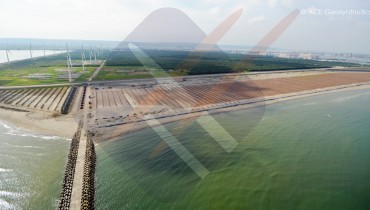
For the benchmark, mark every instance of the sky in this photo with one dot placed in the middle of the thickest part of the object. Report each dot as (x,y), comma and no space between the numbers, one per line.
(315,29)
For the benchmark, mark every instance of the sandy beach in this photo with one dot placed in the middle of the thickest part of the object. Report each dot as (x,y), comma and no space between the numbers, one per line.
(40,122)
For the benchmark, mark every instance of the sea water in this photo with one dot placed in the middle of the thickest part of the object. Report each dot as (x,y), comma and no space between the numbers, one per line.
(16,55)
(310,153)
(31,169)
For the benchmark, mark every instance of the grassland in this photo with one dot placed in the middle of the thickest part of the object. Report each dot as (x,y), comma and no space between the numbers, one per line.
(14,74)
(124,65)
(11,77)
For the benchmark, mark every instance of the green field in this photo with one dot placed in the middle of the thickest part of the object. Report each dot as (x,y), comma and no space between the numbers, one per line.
(12,77)
(124,65)
(13,74)
(132,72)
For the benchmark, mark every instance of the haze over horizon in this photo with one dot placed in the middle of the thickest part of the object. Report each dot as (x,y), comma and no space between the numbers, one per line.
(114,20)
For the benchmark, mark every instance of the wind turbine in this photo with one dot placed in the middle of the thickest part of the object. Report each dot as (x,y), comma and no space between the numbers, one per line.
(30,50)
(98,51)
(95,55)
(7,51)
(7,54)
(44,49)
(69,63)
(90,53)
(83,58)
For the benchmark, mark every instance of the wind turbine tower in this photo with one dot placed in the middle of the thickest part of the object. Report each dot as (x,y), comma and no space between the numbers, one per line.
(90,53)
(69,63)
(95,55)
(30,50)
(83,58)
(7,54)
(98,51)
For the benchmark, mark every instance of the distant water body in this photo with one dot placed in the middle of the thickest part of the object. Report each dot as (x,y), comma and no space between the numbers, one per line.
(31,169)
(16,55)
(310,153)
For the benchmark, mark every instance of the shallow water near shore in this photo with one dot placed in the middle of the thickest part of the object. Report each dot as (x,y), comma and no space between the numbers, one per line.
(309,153)
(31,169)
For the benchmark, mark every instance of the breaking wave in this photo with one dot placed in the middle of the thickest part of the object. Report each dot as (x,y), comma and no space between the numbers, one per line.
(13,131)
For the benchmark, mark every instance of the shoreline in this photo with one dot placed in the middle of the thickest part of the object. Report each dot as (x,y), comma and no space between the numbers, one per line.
(117,131)
(38,123)
(41,123)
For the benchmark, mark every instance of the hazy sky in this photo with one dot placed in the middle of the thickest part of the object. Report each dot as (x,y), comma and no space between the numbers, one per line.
(115,19)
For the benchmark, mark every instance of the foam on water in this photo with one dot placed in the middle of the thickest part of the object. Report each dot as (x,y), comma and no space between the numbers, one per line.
(5,205)
(5,170)
(11,130)
(31,168)
(9,194)
(350,97)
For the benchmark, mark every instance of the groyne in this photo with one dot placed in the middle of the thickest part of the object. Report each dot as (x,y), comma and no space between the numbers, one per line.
(68,101)
(67,185)
(88,187)
(81,167)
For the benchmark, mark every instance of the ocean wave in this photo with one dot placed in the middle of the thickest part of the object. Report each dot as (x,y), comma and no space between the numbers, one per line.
(9,194)
(13,131)
(2,155)
(26,146)
(5,170)
(5,205)
(350,97)
(311,104)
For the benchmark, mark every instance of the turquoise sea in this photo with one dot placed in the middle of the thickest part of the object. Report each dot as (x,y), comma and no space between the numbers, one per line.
(310,153)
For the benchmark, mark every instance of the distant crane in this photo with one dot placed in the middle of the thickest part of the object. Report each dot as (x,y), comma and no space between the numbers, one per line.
(69,64)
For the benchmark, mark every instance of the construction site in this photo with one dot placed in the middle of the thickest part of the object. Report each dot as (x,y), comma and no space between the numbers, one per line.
(46,99)
(118,104)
